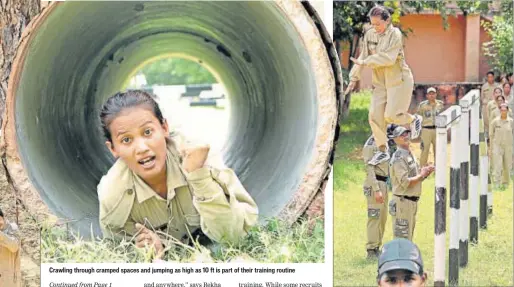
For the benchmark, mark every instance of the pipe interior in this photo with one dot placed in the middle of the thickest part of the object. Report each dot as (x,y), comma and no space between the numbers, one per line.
(84,52)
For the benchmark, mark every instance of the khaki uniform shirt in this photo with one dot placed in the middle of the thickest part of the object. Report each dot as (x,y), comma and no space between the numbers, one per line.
(402,166)
(209,198)
(429,111)
(10,255)
(501,131)
(382,169)
(496,113)
(488,92)
(384,54)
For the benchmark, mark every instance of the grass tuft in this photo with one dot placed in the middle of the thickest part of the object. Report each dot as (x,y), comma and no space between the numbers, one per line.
(272,242)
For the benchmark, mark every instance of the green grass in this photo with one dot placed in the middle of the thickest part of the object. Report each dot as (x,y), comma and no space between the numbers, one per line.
(490,262)
(273,242)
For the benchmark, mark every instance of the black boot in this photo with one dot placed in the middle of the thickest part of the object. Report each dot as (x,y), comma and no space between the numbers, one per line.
(372,254)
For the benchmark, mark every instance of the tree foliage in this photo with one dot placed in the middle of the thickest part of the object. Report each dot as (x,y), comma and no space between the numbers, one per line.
(499,50)
(176,71)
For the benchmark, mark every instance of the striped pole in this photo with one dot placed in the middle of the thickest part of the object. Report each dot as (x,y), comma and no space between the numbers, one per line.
(464,186)
(474,171)
(440,199)
(484,173)
(489,192)
(454,204)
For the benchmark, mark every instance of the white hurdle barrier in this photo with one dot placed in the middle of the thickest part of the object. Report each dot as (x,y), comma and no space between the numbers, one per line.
(464,147)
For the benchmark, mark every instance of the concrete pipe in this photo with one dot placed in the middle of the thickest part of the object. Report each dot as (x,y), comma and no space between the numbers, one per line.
(275,59)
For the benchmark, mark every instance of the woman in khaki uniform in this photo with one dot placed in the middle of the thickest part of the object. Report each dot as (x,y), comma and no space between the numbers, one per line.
(508,92)
(487,95)
(158,192)
(429,109)
(393,82)
(501,131)
(495,109)
(494,104)
(406,179)
(375,190)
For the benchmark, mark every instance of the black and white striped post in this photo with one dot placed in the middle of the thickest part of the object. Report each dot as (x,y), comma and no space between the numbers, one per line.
(489,194)
(484,174)
(442,122)
(472,100)
(454,204)
(464,182)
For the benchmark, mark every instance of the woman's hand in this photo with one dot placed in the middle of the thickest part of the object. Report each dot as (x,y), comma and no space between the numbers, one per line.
(350,88)
(146,237)
(357,61)
(194,157)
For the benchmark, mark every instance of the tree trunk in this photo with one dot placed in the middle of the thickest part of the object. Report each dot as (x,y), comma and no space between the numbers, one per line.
(354,43)
(14,17)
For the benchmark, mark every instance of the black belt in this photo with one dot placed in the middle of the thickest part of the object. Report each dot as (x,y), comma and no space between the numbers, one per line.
(411,198)
(381,178)
(429,127)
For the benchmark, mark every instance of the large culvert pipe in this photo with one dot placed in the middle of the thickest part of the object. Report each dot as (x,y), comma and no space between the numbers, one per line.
(275,59)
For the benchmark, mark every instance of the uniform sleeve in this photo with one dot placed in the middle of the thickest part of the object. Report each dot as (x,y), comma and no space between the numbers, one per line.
(226,209)
(355,72)
(491,130)
(370,169)
(483,95)
(419,110)
(9,242)
(389,55)
(400,171)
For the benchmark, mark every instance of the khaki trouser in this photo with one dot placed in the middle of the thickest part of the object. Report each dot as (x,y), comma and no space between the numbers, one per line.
(377,217)
(403,212)
(485,118)
(502,160)
(428,138)
(390,105)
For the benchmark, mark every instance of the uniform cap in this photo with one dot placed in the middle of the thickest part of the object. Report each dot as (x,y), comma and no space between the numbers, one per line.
(431,89)
(394,131)
(399,254)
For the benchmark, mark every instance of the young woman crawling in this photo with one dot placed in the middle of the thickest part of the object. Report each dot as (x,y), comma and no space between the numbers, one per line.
(157,190)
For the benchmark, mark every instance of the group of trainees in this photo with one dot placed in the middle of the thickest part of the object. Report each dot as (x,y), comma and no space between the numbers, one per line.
(497,100)
(393,126)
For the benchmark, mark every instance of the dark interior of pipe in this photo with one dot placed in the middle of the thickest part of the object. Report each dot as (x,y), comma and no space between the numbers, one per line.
(84,52)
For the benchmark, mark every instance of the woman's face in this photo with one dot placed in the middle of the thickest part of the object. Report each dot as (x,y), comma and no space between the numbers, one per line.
(378,24)
(139,139)
(506,89)
(497,92)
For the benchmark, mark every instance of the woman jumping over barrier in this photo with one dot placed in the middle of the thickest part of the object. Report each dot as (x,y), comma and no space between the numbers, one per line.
(393,82)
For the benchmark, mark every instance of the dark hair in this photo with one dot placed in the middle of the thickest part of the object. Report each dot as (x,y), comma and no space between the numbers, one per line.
(498,88)
(490,73)
(501,96)
(383,12)
(1,213)
(123,100)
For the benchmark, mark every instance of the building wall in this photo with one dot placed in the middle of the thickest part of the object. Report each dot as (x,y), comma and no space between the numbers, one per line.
(484,66)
